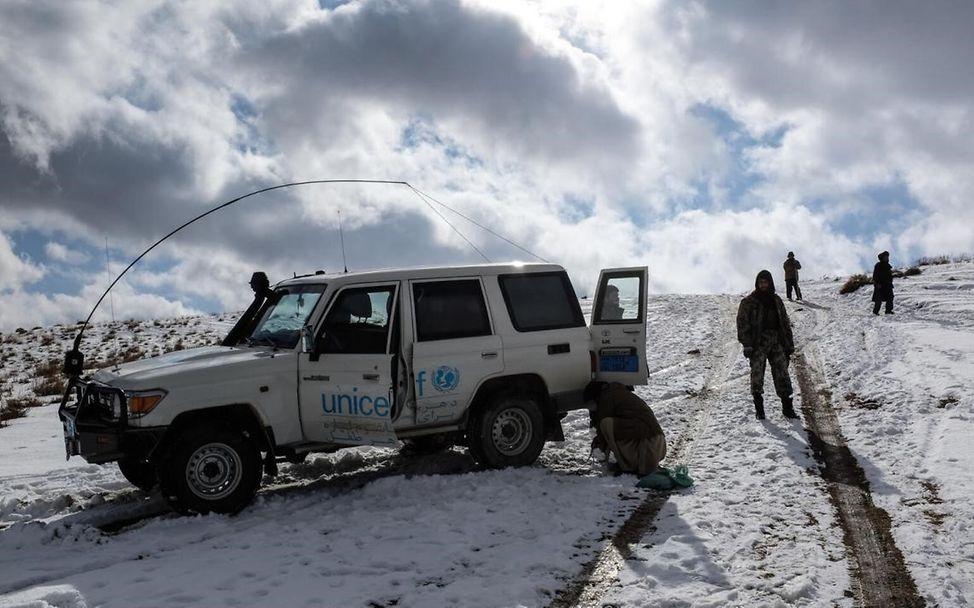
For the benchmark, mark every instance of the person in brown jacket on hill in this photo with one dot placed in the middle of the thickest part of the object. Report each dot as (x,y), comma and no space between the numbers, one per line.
(764,331)
(791,276)
(625,424)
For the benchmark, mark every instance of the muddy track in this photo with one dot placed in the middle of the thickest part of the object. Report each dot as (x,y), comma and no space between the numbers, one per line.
(880,576)
(586,589)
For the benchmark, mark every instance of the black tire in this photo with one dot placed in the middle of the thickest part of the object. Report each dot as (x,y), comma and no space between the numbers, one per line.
(508,432)
(211,470)
(429,444)
(140,473)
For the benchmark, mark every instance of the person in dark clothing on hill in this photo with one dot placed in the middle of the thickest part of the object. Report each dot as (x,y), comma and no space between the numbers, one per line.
(625,424)
(764,331)
(791,276)
(883,284)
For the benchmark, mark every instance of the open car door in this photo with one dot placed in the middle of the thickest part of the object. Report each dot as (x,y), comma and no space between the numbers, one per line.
(619,325)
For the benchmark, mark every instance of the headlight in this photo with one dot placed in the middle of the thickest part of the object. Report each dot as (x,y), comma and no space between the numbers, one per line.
(143,402)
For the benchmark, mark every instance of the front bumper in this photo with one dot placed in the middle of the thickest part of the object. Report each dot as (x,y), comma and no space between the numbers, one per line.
(96,424)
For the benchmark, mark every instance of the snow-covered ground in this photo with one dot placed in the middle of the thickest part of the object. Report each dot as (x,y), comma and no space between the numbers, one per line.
(372,527)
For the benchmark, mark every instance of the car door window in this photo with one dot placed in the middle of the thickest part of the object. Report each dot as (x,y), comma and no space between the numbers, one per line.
(619,300)
(541,301)
(450,309)
(358,321)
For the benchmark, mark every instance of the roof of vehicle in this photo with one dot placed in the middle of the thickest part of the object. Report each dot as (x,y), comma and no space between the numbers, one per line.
(423,272)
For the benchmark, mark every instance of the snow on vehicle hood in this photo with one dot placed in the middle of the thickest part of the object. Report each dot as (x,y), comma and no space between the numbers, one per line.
(178,363)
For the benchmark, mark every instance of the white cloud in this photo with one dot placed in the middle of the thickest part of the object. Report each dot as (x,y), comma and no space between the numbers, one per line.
(61,253)
(15,271)
(19,308)
(571,128)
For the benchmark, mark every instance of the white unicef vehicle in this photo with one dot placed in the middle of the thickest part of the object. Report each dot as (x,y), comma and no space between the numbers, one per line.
(491,357)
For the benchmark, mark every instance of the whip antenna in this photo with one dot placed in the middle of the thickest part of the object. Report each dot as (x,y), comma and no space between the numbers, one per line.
(74,359)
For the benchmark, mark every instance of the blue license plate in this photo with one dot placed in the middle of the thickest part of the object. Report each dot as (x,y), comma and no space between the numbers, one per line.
(618,363)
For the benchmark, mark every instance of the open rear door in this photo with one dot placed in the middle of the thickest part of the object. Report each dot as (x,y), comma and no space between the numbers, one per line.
(619,325)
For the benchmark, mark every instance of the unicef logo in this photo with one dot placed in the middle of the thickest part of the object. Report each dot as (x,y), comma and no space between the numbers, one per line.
(446,378)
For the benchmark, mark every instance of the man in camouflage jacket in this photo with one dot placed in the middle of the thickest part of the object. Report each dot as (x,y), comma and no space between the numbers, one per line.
(764,331)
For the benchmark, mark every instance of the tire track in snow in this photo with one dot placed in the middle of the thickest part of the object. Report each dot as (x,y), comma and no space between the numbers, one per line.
(131,507)
(109,523)
(879,572)
(587,588)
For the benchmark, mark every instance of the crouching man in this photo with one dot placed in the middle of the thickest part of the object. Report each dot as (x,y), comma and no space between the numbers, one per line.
(625,424)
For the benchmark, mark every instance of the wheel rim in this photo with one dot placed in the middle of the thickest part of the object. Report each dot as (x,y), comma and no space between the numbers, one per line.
(213,471)
(511,431)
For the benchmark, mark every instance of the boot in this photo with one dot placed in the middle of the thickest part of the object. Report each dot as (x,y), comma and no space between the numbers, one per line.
(787,408)
(759,407)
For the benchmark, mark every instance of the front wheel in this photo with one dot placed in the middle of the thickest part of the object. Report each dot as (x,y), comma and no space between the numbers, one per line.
(211,470)
(508,432)
(140,473)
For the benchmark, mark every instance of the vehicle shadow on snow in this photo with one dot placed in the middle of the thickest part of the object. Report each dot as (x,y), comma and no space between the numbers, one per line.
(349,473)
(354,471)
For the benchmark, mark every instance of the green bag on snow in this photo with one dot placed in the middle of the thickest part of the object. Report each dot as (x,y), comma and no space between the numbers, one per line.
(666,479)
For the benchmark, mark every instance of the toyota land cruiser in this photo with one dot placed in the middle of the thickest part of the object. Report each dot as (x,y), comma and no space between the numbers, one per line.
(491,357)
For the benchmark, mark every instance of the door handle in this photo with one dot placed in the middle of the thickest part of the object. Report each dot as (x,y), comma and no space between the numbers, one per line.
(370,376)
(488,355)
(630,331)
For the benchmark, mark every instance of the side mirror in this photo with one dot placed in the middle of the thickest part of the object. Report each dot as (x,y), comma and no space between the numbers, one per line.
(307,339)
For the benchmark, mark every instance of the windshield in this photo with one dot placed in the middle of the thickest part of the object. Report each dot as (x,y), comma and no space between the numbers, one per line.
(281,322)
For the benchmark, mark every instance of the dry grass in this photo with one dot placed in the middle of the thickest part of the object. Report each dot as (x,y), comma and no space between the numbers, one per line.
(11,408)
(48,379)
(942,259)
(132,353)
(933,260)
(855,282)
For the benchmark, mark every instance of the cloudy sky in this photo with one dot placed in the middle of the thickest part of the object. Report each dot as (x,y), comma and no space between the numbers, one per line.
(703,139)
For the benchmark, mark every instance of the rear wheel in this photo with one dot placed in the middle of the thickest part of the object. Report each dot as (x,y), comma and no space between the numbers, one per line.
(211,470)
(140,473)
(509,431)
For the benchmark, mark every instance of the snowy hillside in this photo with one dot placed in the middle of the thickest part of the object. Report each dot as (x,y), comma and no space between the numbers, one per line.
(767,523)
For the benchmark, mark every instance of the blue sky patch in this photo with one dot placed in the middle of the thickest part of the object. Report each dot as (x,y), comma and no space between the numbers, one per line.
(574,209)
(330,5)
(733,187)
(420,132)
(68,277)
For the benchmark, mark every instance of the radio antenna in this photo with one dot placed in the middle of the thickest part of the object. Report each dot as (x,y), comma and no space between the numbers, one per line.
(341,234)
(111,300)
(108,271)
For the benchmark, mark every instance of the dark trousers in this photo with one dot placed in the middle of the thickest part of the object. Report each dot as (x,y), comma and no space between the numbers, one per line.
(889,305)
(793,283)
